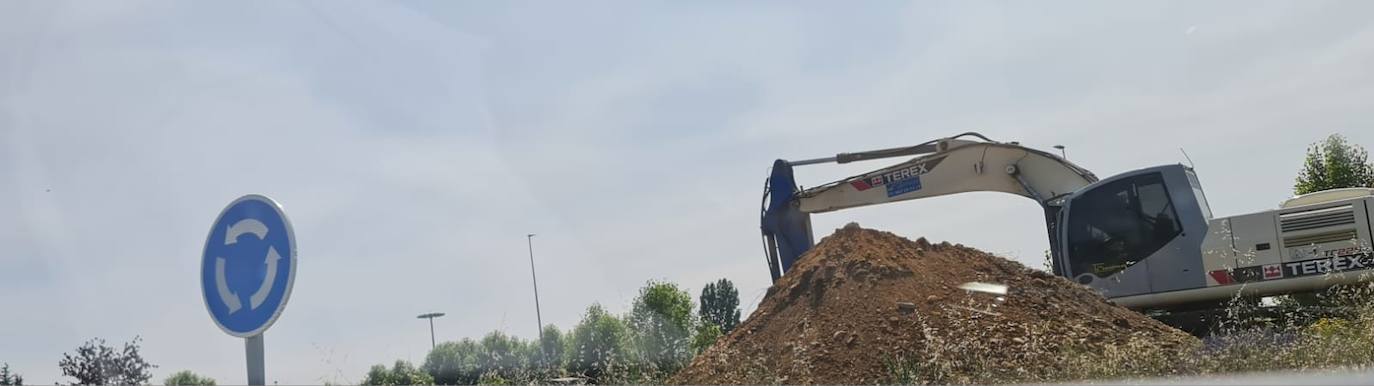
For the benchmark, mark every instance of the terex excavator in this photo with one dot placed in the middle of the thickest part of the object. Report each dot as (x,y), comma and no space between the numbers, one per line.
(1145,239)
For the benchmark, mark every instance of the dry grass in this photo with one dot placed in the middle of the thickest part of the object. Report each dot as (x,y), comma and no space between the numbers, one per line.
(1250,342)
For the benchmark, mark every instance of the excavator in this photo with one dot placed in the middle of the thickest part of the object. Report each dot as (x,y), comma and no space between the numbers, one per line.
(1145,239)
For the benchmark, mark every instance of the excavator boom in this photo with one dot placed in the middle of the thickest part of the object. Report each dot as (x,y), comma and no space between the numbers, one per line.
(939,167)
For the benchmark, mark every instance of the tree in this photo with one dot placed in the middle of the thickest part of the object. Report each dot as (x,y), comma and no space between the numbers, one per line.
(551,346)
(377,375)
(504,355)
(720,305)
(454,363)
(705,336)
(1333,164)
(598,344)
(7,378)
(98,364)
(497,358)
(402,373)
(188,378)
(662,321)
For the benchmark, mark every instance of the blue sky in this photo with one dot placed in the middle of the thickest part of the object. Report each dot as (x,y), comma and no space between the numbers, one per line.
(414,145)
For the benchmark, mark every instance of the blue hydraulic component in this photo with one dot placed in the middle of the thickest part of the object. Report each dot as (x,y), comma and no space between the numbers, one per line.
(786,229)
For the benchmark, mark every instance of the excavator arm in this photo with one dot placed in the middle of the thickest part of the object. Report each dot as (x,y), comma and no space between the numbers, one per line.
(939,167)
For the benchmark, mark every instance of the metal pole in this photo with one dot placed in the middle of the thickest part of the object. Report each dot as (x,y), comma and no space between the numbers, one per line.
(253,347)
(529,239)
(431,334)
(431,317)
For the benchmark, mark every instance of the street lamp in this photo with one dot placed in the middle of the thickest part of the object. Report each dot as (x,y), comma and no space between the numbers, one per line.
(1061,151)
(529,240)
(431,317)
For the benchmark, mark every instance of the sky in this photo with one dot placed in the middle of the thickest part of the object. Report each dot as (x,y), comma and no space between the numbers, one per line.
(415,144)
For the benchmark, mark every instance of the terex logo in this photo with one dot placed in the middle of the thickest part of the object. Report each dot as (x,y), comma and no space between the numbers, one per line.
(1329,265)
(888,177)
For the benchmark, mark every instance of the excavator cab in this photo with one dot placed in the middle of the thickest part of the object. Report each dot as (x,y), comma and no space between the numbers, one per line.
(1137,232)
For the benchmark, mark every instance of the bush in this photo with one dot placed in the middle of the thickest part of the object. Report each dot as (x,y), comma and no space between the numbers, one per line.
(705,336)
(599,345)
(402,373)
(454,363)
(188,378)
(662,322)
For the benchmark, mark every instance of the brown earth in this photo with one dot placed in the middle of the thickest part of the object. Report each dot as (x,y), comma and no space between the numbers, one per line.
(837,318)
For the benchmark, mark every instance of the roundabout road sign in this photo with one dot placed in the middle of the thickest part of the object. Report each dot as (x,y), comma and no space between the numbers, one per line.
(248,266)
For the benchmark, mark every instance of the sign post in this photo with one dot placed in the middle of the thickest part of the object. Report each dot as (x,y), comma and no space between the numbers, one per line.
(256,374)
(247,271)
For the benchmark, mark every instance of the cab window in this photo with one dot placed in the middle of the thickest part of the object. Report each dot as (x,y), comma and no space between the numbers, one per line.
(1119,224)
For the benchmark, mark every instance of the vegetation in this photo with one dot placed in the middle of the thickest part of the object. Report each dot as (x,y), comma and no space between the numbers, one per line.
(188,378)
(657,337)
(402,373)
(599,345)
(453,363)
(720,305)
(98,364)
(705,336)
(552,347)
(1254,342)
(1326,343)
(7,378)
(505,356)
(662,321)
(1332,164)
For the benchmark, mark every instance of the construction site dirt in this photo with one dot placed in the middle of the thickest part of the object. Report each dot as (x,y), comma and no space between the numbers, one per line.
(864,305)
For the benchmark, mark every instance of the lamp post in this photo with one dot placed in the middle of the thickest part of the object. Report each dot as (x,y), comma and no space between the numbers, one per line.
(529,240)
(1061,151)
(431,317)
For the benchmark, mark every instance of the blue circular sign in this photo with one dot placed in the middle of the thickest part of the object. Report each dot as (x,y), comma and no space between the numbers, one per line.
(248,266)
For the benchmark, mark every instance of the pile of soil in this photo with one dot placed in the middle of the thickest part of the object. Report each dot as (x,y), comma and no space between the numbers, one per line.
(864,303)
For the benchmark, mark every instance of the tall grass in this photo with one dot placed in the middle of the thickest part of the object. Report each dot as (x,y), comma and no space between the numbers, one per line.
(1333,335)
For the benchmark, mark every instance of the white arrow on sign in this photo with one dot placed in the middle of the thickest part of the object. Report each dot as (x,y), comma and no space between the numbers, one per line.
(256,228)
(229,298)
(261,294)
(248,225)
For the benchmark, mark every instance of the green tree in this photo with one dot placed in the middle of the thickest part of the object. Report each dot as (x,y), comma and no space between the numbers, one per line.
(720,305)
(551,346)
(598,344)
(705,336)
(1332,164)
(504,355)
(377,375)
(7,378)
(401,373)
(662,321)
(454,363)
(188,378)
(98,364)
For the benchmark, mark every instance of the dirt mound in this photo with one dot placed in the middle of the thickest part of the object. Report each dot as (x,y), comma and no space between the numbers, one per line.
(868,306)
